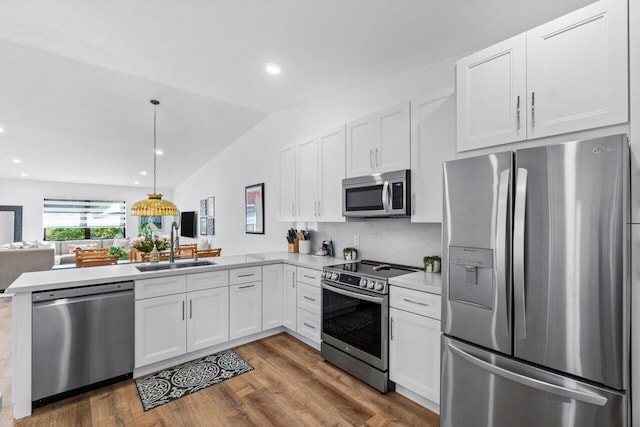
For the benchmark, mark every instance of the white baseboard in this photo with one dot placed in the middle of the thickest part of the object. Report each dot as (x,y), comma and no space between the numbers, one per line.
(422,401)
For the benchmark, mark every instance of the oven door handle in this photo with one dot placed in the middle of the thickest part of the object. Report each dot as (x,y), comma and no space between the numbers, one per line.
(377,300)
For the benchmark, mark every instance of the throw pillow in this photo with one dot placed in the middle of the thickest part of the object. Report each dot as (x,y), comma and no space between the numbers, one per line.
(16,245)
(46,245)
(73,248)
(29,245)
(203,244)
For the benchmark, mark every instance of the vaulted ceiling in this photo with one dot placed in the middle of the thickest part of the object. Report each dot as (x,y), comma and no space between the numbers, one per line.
(77,76)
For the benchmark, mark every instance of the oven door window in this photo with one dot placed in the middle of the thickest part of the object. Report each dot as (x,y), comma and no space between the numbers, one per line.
(364,198)
(353,321)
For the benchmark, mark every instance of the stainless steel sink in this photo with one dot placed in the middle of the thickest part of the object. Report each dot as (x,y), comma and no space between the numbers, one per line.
(173,265)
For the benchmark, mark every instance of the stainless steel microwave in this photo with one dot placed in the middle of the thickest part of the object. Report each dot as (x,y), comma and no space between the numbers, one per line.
(378,195)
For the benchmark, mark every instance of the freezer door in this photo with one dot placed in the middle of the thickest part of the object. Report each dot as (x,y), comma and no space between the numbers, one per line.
(569,267)
(476,292)
(480,388)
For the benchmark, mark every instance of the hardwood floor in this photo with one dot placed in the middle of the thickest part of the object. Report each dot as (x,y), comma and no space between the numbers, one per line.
(290,386)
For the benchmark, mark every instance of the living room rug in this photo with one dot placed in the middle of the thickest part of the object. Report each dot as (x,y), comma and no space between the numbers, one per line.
(178,381)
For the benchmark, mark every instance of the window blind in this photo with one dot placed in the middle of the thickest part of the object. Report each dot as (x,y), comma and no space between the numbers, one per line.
(84,213)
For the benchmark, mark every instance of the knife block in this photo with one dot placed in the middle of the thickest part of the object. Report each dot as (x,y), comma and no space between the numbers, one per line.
(293,247)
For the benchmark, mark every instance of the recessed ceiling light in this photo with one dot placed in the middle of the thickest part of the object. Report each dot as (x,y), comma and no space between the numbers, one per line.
(137,182)
(159,152)
(143,172)
(16,161)
(272,68)
(24,174)
(1,130)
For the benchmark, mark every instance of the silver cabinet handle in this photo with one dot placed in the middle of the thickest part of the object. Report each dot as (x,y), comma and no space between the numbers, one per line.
(376,157)
(417,302)
(293,209)
(293,280)
(413,204)
(391,329)
(518,254)
(310,299)
(190,309)
(502,237)
(590,398)
(246,275)
(371,158)
(246,286)
(308,325)
(533,109)
(319,207)
(309,277)
(182,310)
(518,112)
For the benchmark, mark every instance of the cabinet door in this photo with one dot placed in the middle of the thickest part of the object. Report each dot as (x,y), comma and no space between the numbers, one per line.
(577,71)
(414,353)
(160,328)
(433,141)
(491,95)
(307,179)
(286,208)
(272,296)
(290,297)
(332,171)
(208,318)
(393,151)
(361,142)
(245,309)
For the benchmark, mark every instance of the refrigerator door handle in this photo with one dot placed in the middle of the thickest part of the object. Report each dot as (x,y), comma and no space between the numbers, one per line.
(501,251)
(582,396)
(518,254)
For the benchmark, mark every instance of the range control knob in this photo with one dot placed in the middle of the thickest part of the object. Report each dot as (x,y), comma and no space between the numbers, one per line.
(324,274)
(334,276)
(363,283)
(379,286)
(371,283)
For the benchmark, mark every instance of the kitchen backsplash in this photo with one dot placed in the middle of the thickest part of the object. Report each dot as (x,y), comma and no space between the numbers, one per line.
(394,240)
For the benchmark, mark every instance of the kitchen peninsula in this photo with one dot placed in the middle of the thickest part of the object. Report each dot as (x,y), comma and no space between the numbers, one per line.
(265,278)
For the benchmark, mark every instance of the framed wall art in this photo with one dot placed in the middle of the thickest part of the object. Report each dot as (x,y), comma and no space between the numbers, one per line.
(254,209)
(203,226)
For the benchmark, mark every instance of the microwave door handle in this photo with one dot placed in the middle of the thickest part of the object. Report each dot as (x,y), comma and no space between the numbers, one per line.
(386,196)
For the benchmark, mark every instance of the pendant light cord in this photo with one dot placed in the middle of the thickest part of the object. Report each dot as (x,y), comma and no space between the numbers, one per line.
(155,151)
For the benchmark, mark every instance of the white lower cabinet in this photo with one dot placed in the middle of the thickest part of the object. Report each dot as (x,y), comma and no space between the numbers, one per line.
(272,296)
(290,298)
(414,341)
(208,319)
(308,303)
(309,325)
(160,331)
(245,309)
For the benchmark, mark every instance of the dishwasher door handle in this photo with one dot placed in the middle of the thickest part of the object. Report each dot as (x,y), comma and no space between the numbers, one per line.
(75,300)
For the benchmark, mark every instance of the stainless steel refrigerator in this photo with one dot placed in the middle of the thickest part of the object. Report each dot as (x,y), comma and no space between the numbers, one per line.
(536,303)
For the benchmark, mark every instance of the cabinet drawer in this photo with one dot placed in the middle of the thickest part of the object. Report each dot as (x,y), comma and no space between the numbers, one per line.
(417,302)
(308,275)
(209,280)
(147,288)
(245,275)
(309,298)
(309,325)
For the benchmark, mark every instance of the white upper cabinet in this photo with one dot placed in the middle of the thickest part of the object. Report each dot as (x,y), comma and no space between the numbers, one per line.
(379,143)
(433,135)
(307,176)
(567,75)
(491,95)
(577,71)
(332,165)
(311,173)
(287,184)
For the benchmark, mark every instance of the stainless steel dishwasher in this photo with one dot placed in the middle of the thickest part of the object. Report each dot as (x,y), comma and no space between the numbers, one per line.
(82,337)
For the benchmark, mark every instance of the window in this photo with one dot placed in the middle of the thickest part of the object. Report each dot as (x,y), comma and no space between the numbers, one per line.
(72,219)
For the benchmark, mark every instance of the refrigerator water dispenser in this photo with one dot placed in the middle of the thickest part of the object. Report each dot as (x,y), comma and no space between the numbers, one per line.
(471,276)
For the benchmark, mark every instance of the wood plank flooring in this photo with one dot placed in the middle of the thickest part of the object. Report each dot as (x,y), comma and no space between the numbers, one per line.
(290,386)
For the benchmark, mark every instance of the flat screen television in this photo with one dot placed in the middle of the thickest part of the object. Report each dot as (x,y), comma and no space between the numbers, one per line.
(188,224)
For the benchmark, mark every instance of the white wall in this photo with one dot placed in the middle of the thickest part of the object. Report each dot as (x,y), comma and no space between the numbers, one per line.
(30,195)
(253,158)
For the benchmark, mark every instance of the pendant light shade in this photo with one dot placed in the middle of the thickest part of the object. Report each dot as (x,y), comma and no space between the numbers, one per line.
(154,205)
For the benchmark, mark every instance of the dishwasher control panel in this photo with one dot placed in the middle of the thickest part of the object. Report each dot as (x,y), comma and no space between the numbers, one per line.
(81,291)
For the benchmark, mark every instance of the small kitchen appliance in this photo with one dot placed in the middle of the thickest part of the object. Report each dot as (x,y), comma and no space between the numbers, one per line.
(377,195)
(355,318)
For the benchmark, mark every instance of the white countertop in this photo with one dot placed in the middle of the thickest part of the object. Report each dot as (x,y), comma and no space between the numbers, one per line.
(419,281)
(72,277)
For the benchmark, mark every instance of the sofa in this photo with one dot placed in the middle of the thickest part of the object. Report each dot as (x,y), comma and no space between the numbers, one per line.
(14,262)
(65,248)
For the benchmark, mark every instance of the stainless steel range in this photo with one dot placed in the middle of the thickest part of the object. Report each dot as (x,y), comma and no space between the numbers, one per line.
(355,318)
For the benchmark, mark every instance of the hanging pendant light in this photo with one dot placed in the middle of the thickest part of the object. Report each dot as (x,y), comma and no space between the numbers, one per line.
(154,205)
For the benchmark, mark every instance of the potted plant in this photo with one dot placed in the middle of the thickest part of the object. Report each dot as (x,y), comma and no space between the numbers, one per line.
(350,254)
(117,250)
(432,264)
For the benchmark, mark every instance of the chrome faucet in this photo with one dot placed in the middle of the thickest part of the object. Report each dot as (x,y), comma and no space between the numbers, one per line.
(171,249)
